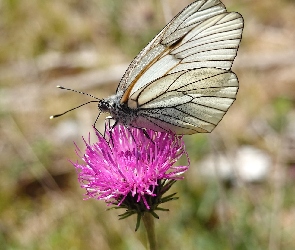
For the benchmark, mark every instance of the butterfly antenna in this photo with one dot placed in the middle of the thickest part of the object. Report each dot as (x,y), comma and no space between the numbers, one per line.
(80,92)
(54,116)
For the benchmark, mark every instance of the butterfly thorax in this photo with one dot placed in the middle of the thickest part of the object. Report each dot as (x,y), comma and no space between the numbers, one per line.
(119,111)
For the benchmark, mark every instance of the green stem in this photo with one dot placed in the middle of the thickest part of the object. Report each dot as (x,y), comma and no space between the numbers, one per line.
(149,224)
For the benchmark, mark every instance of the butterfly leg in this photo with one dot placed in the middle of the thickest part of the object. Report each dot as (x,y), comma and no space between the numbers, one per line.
(146,134)
(110,128)
(94,124)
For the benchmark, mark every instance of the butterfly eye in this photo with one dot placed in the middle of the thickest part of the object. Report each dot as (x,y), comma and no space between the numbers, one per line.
(103,105)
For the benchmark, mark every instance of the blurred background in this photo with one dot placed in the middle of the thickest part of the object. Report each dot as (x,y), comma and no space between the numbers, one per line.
(239,191)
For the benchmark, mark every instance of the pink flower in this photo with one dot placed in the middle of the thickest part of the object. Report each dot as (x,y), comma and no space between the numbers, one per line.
(131,168)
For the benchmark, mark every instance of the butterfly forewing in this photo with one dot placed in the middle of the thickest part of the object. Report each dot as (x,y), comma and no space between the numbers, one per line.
(178,27)
(211,42)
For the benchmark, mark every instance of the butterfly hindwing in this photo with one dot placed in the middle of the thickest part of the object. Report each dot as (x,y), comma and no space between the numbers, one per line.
(185,102)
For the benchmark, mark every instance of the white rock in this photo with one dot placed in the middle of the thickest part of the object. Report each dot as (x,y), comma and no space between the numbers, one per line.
(249,164)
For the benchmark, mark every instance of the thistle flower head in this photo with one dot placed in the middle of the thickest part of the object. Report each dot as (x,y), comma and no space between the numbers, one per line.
(131,168)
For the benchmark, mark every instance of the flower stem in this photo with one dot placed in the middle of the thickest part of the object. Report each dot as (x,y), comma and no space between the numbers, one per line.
(149,224)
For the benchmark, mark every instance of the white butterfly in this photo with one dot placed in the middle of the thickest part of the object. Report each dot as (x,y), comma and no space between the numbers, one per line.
(182,80)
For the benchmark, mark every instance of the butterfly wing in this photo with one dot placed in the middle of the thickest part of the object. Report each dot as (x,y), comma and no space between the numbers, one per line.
(181,81)
(185,102)
(204,34)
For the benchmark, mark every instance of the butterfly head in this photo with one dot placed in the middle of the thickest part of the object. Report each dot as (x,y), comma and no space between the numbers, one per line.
(118,111)
(109,104)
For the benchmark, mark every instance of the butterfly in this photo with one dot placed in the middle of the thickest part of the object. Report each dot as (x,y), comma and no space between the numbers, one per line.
(181,82)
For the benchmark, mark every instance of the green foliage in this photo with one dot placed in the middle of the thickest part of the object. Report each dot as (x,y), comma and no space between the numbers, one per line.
(281,106)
